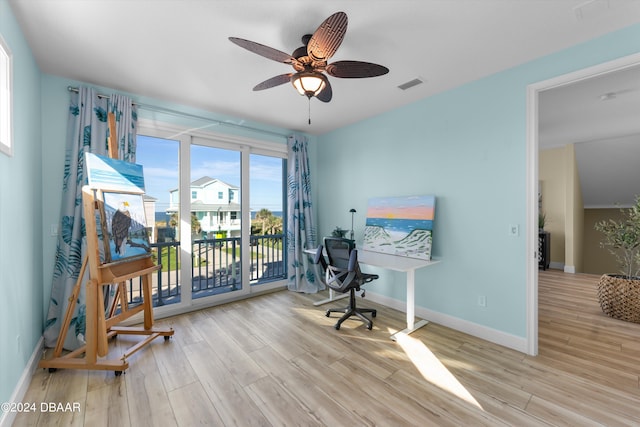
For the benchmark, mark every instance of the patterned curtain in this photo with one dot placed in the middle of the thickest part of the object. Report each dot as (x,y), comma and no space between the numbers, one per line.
(87,131)
(301,233)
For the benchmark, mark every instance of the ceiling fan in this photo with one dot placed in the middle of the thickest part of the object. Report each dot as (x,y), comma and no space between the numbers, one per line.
(310,60)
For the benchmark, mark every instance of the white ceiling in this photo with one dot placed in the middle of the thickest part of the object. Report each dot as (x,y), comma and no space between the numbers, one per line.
(178,51)
(601,107)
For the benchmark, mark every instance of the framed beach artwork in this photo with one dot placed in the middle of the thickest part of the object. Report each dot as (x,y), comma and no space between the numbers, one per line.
(400,226)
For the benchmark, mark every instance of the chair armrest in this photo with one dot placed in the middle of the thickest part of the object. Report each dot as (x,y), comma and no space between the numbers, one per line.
(366,277)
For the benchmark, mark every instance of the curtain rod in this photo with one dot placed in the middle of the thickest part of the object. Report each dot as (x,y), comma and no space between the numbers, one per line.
(193,116)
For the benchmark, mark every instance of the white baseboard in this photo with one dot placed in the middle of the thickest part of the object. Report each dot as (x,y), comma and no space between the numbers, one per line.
(498,337)
(23,384)
(570,269)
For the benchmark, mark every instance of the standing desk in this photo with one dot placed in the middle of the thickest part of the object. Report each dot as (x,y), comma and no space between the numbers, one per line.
(407,265)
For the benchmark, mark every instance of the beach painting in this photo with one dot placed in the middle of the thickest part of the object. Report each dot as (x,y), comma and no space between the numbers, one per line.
(400,226)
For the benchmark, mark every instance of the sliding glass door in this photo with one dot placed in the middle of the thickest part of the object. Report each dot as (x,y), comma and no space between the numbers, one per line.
(218,216)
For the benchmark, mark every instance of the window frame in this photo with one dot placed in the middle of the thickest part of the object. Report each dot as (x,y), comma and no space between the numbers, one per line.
(6,98)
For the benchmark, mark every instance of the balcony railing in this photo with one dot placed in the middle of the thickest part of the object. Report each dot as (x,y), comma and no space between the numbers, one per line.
(216,267)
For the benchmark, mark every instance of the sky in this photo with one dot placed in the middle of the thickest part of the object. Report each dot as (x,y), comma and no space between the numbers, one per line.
(159,159)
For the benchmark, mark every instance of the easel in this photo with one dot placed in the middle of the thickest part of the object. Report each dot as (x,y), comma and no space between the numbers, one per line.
(99,327)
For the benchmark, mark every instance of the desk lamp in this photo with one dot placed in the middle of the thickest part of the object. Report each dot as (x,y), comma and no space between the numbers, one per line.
(351,235)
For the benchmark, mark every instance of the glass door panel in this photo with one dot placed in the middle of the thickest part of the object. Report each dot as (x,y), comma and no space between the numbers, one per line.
(267,219)
(216,220)
(160,160)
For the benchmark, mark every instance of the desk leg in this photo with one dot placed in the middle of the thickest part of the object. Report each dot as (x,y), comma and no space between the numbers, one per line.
(411,307)
(411,299)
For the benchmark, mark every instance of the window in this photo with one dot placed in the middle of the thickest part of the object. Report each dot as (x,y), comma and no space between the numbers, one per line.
(6,105)
(194,195)
(220,195)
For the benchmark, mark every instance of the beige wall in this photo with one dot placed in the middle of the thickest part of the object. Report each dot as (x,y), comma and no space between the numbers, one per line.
(575,244)
(551,177)
(598,260)
(574,219)
(563,206)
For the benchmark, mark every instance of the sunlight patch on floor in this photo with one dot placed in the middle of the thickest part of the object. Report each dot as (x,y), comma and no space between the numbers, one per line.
(432,369)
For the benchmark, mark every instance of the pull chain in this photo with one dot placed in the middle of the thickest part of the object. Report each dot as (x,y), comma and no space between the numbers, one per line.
(309,98)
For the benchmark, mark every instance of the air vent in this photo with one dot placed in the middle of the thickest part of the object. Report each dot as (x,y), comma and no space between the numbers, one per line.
(410,83)
(591,9)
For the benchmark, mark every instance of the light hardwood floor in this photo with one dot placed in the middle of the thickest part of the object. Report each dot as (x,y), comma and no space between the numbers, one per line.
(276,360)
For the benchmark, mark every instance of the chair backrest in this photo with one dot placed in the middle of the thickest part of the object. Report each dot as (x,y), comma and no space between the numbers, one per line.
(318,258)
(342,279)
(338,251)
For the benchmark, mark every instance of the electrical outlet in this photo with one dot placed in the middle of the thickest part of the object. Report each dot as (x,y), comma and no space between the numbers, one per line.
(514,230)
(482,301)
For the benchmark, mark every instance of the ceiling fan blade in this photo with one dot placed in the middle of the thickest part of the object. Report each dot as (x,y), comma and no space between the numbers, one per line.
(262,50)
(355,69)
(273,81)
(328,37)
(325,94)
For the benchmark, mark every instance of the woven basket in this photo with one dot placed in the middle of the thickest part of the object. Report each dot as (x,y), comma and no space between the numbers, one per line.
(620,298)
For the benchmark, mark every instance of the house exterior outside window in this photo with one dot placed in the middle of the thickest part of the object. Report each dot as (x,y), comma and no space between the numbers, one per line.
(214,206)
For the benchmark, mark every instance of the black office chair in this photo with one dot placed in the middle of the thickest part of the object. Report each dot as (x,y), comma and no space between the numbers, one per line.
(343,274)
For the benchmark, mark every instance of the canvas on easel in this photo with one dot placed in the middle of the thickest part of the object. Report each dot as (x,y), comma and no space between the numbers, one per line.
(104,173)
(119,188)
(124,229)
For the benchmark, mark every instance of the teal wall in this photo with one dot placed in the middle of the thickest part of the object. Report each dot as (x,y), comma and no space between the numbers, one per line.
(466,146)
(21,295)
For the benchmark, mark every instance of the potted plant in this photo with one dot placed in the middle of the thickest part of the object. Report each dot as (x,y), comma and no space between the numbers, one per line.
(619,294)
(339,232)
(542,220)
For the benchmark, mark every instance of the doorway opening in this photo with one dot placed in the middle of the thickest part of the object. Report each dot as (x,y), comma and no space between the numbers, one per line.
(532,147)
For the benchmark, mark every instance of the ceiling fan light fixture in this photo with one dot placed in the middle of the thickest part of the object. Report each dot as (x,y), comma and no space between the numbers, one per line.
(309,84)
(310,61)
